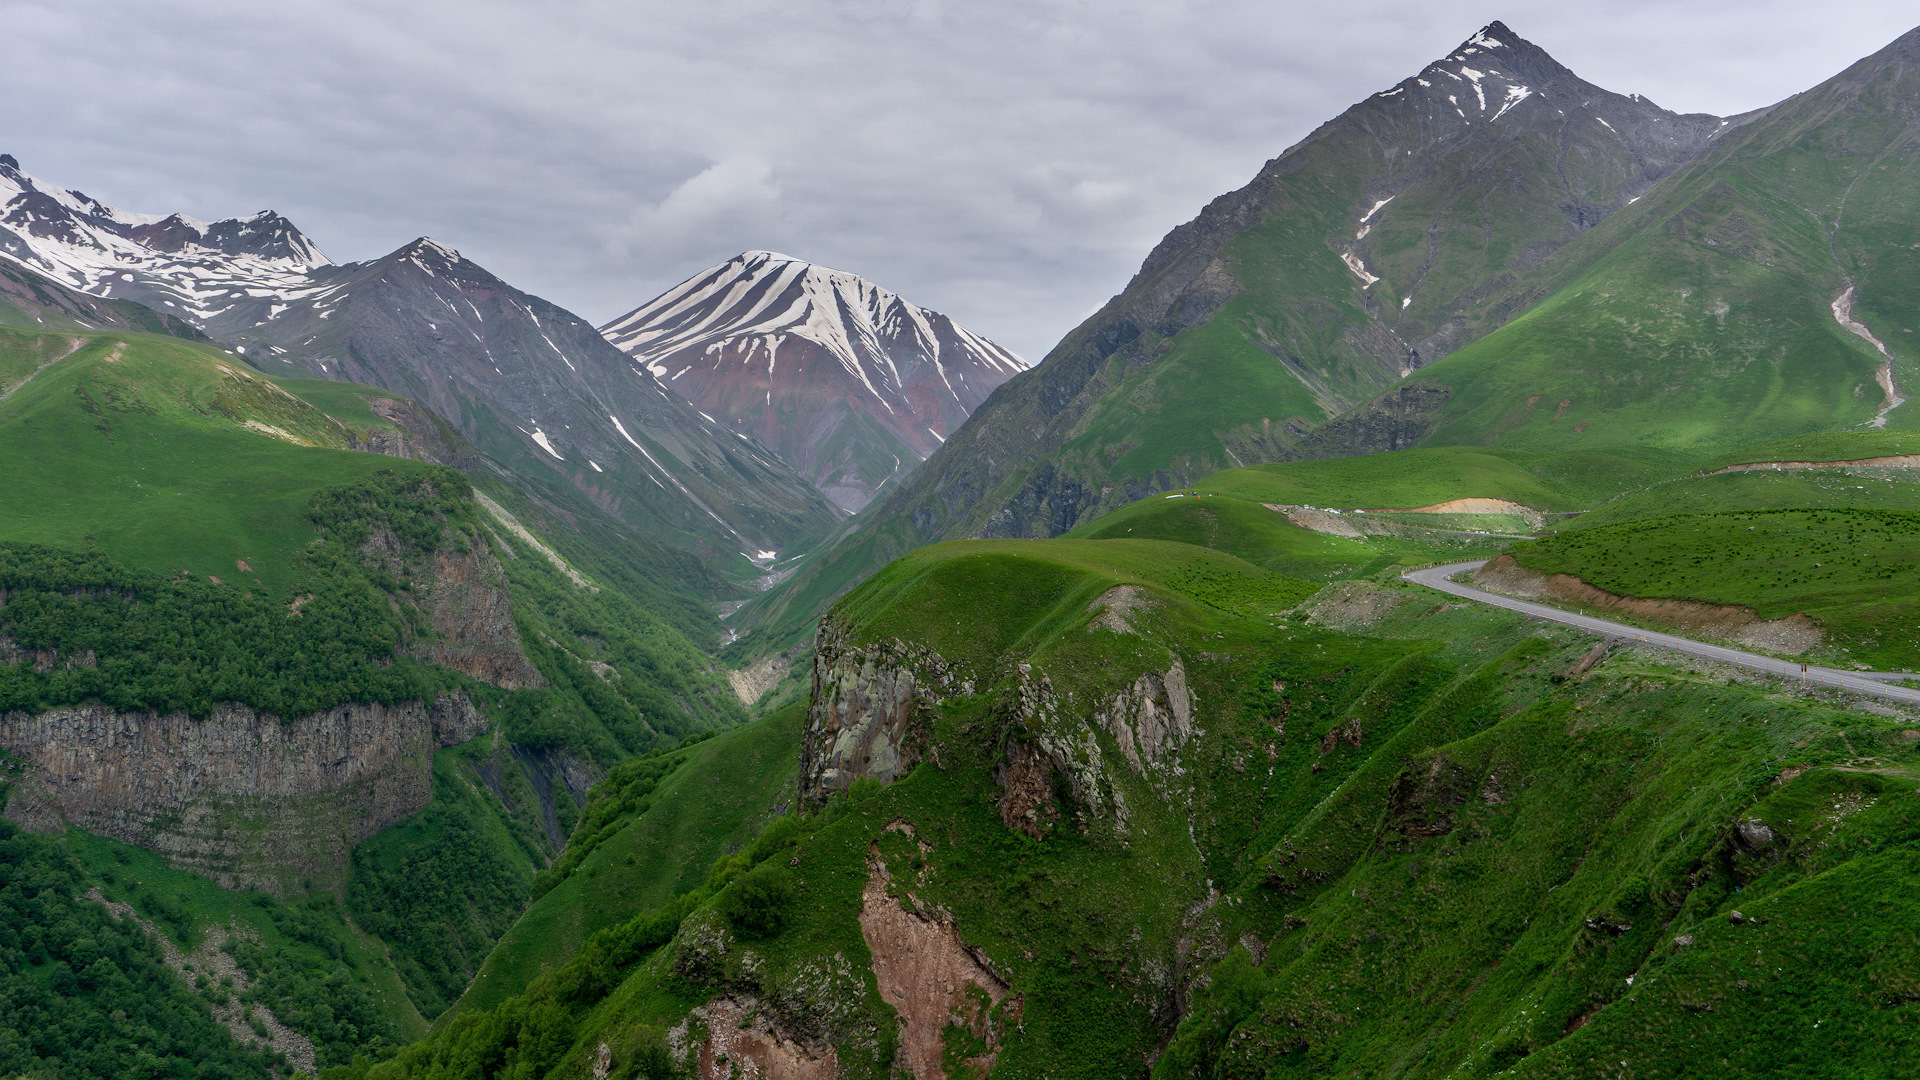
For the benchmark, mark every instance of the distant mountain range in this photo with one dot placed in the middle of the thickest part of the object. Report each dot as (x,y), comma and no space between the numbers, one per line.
(531,385)
(848,382)
(173,264)
(733,408)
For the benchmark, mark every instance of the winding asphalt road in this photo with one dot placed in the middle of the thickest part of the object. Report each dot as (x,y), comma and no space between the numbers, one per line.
(1860,682)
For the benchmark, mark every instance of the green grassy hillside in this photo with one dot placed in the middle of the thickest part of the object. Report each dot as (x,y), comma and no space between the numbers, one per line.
(1423,477)
(1445,842)
(1855,571)
(1887,489)
(1406,479)
(1703,317)
(139,445)
(88,994)
(164,471)
(650,833)
(1240,528)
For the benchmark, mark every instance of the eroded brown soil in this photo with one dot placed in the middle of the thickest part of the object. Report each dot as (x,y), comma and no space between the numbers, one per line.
(932,980)
(1792,635)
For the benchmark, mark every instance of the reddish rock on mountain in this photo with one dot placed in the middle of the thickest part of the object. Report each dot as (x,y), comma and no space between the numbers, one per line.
(849,383)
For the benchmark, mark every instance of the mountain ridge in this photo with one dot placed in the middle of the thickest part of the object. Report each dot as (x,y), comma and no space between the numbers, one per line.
(576,421)
(1348,261)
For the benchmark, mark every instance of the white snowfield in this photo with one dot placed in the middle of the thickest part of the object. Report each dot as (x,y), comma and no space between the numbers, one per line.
(1874,683)
(95,248)
(744,310)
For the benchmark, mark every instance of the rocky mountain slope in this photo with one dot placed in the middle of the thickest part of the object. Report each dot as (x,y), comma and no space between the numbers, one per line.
(1766,289)
(1363,252)
(1414,222)
(534,387)
(848,382)
(537,389)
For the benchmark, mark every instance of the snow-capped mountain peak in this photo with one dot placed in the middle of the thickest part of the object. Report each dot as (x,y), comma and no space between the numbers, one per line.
(768,297)
(751,339)
(173,263)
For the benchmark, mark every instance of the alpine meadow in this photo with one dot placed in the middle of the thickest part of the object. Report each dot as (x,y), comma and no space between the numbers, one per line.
(1455,612)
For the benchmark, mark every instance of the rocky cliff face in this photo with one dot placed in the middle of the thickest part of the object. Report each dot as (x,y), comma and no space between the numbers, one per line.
(871,716)
(460,591)
(868,710)
(472,617)
(242,797)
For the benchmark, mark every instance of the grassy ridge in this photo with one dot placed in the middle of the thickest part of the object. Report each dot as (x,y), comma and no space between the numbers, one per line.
(978,600)
(1407,479)
(1240,528)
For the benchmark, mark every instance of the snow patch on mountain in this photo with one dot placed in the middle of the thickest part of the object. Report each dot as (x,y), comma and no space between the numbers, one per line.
(792,350)
(758,300)
(196,268)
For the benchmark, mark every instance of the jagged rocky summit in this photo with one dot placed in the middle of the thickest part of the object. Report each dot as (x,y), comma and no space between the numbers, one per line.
(531,385)
(173,264)
(848,382)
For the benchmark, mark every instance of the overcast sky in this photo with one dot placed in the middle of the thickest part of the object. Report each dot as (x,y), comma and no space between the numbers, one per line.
(1008,163)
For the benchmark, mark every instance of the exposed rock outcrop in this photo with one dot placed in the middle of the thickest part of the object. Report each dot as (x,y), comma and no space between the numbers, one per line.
(1425,796)
(461,591)
(1149,719)
(472,618)
(419,436)
(868,715)
(871,716)
(241,797)
(774,1021)
(1396,420)
(744,1043)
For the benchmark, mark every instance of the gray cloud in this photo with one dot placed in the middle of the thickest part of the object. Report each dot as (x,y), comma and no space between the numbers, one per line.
(1009,163)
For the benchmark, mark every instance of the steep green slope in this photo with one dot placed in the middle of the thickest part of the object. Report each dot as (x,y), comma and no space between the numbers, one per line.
(650,833)
(1447,842)
(87,994)
(164,472)
(1710,314)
